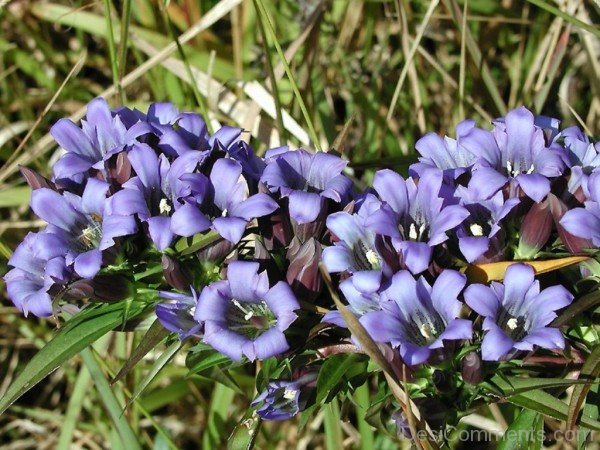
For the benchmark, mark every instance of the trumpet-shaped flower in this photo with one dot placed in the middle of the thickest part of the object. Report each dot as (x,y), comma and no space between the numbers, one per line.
(243,316)
(414,215)
(79,226)
(517,313)
(307,180)
(417,317)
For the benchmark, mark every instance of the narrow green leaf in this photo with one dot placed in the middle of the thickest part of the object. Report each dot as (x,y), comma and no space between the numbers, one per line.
(522,433)
(332,372)
(70,340)
(156,367)
(506,386)
(110,402)
(243,436)
(331,422)
(363,401)
(151,339)
(589,372)
(80,390)
(566,16)
(549,405)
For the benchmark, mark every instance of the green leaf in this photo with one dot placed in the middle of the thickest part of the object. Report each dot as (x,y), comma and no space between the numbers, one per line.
(156,367)
(110,402)
(524,432)
(332,372)
(245,432)
(506,386)
(91,324)
(192,244)
(549,405)
(589,372)
(151,339)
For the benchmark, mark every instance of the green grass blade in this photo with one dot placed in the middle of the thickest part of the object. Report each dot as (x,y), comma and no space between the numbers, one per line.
(70,340)
(80,389)
(565,16)
(112,49)
(222,397)
(110,402)
(363,402)
(331,423)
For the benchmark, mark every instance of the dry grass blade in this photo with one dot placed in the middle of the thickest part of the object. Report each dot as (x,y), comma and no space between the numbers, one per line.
(409,57)
(10,165)
(590,371)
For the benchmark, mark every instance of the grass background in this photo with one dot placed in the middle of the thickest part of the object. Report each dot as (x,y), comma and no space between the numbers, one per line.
(378,73)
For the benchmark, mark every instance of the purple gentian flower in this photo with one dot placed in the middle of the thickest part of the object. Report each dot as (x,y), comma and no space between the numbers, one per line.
(79,225)
(453,156)
(242,316)
(417,317)
(307,179)
(282,400)
(516,313)
(362,294)
(585,222)
(177,314)
(584,157)
(154,195)
(356,249)
(36,269)
(521,155)
(414,216)
(230,204)
(102,134)
(483,224)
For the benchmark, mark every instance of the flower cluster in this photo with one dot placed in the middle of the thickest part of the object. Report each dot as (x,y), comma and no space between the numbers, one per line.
(227,245)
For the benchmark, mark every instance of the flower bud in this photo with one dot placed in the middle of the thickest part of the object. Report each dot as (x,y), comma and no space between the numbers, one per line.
(573,243)
(119,168)
(535,230)
(175,274)
(102,288)
(216,251)
(35,180)
(303,272)
(275,228)
(472,368)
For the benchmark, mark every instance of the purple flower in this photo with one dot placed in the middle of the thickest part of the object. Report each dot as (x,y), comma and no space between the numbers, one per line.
(478,231)
(583,155)
(37,268)
(516,313)
(307,180)
(102,134)
(154,194)
(585,222)
(230,205)
(177,314)
(242,316)
(521,154)
(282,400)
(78,226)
(362,292)
(417,317)
(453,156)
(356,249)
(414,216)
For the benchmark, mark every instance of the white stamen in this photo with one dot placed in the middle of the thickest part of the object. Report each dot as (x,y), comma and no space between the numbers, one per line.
(421,230)
(509,167)
(426,330)
(88,233)
(193,310)
(412,232)
(512,323)
(531,169)
(164,207)
(476,229)
(224,213)
(372,257)
(289,394)
(249,315)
